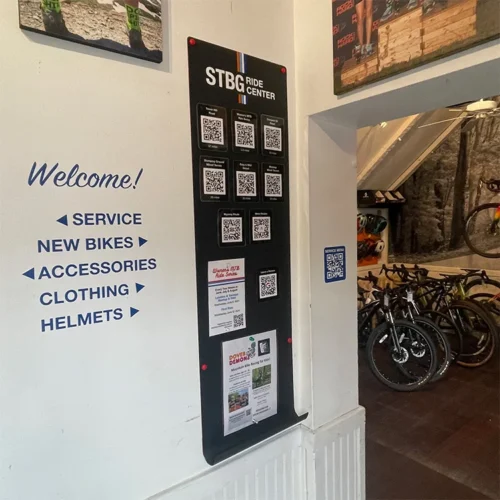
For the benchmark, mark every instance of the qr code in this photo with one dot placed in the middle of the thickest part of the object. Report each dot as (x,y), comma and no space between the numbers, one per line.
(238,321)
(268,285)
(261,228)
(273,185)
(214,181)
(212,130)
(232,230)
(334,265)
(272,138)
(245,135)
(246,184)
(248,412)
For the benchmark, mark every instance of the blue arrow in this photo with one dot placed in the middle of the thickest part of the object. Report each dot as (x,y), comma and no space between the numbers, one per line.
(30,273)
(63,220)
(142,241)
(138,287)
(133,312)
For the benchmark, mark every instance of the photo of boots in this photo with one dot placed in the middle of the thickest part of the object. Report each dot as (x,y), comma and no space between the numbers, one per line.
(131,27)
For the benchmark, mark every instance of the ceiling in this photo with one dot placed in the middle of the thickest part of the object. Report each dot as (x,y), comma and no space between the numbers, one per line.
(390,152)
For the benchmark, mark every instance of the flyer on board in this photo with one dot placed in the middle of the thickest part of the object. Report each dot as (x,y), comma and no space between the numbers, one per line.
(226,296)
(250,376)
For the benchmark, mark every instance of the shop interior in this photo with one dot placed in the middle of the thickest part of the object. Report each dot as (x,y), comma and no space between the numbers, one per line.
(428,243)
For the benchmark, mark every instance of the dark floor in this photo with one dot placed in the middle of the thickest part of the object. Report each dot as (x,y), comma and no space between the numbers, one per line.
(441,443)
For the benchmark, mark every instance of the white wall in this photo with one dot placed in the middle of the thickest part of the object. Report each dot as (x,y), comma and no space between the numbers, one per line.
(109,411)
(333,308)
(112,411)
(326,162)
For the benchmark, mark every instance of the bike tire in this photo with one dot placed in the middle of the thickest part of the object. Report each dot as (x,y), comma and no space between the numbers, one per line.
(490,302)
(486,326)
(443,346)
(383,329)
(481,283)
(470,227)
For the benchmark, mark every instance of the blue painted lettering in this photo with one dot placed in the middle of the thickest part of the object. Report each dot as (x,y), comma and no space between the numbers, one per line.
(112,243)
(58,245)
(97,219)
(90,318)
(96,268)
(75,178)
(83,294)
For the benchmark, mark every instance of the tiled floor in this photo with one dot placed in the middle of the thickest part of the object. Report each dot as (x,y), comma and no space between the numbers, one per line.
(446,436)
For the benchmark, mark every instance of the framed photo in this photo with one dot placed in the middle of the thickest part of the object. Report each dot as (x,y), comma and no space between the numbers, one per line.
(376,39)
(129,27)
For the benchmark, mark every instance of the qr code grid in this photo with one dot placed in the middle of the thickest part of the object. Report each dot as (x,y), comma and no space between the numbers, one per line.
(238,321)
(246,184)
(245,135)
(261,228)
(248,412)
(214,181)
(272,138)
(232,229)
(335,265)
(212,130)
(273,185)
(268,285)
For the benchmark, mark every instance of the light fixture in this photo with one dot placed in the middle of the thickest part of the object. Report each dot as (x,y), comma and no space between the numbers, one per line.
(383,124)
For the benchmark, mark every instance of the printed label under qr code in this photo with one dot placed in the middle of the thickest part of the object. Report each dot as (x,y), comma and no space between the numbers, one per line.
(244,134)
(335,265)
(268,285)
(212,130)
(273,187)
(272,138)
(214,181)
(246,183)
(232,229)
(238,321)
(261,228)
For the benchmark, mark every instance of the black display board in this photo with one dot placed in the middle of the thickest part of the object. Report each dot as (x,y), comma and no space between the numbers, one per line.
(239,134)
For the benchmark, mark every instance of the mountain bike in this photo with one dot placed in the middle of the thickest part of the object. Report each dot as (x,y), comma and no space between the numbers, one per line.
(401,354)
(482,226)
(468,323)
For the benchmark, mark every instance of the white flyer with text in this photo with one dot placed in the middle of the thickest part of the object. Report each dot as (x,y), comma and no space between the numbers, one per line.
(250,380)
(226,296)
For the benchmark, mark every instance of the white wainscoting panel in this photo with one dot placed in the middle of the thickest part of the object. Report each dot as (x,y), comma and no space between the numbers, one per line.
(271,471)
(339,459)
(298,464)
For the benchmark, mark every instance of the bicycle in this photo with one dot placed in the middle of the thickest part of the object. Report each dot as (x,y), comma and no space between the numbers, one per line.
(467,323)
(482,226)
(400,354)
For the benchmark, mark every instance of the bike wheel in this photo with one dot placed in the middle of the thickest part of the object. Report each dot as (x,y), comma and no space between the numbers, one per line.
(452,333)
(491,302)
(482,231)
(482,286)
(443,346)
(408,369)
(478,330)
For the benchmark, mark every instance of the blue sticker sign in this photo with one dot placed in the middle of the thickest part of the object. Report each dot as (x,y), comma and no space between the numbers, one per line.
(334,264)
